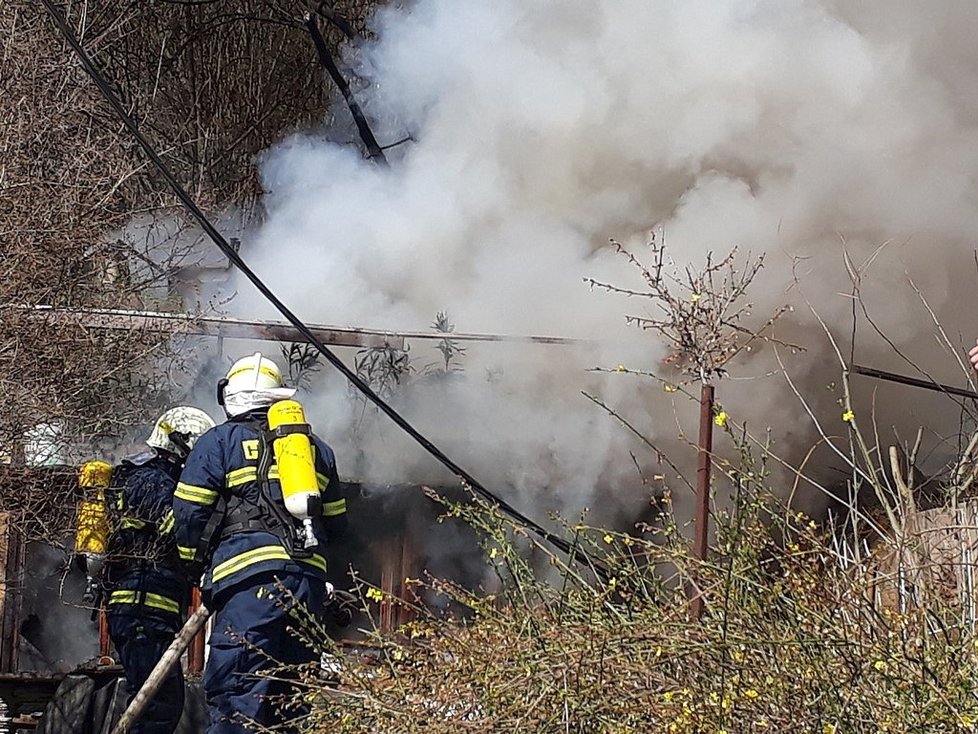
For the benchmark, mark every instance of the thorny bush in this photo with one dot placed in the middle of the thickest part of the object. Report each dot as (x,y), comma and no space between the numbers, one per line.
(792,640)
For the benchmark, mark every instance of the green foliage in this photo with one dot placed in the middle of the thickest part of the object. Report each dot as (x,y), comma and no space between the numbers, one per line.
(303,362)
(450,349)
(384,368)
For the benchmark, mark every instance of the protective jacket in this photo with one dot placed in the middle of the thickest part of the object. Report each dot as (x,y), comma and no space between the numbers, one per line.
(224,522)
(143,573)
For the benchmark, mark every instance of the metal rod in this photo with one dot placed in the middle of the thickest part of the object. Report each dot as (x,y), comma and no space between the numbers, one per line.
(913,381)
(703,470)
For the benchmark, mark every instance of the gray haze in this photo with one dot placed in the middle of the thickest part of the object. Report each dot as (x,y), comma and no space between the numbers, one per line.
(785,127)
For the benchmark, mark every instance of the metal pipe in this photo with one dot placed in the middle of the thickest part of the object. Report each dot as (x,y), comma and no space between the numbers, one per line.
(913,381)
(703,470)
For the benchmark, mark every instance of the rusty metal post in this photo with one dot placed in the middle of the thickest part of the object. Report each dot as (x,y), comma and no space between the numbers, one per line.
(104,643)
(195,653)
(704,468)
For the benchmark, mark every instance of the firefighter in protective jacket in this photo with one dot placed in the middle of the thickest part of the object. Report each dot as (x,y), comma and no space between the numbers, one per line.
(259,546)
(145,585)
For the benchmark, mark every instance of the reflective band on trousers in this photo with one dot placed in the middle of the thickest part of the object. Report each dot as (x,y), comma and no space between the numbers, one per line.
(331,509)
(150,600)
(260,555)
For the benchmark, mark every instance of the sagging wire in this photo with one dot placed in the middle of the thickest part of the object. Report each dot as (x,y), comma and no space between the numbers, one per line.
(241,265)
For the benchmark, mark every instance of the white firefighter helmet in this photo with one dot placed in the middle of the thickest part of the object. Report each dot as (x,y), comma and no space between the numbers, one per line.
(178,429)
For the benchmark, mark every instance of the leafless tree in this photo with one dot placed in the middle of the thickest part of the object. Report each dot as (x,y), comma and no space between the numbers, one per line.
(212,83)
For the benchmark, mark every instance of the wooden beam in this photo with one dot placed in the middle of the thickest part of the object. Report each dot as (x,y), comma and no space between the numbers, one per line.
(178,323)
(220,326)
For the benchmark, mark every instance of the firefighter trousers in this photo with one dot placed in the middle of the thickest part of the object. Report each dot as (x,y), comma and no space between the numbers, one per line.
(255,626)
(140,640)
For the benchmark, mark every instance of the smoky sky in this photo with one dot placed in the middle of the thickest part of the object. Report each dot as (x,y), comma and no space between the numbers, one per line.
(804,131)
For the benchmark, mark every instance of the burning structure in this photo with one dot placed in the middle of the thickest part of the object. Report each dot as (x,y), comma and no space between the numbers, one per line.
(537,133)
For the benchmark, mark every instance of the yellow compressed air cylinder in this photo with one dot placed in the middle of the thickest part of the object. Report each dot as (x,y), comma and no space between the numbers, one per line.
(92,520)
(296,466)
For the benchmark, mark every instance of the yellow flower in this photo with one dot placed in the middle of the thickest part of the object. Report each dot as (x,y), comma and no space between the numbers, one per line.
(829,729)
(493,553)
(621,368)
(666,387)
(880,665)
(751,693)
(721,419)
(848,416)
(967,720)
(608,539)
(375,594)
(695,297)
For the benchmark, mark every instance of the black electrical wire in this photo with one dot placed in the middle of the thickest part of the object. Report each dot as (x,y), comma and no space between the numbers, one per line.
(374,151)
(239,263)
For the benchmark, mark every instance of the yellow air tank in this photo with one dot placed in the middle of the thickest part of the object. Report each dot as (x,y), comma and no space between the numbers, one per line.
(92,525)
(92,522)
(296,467)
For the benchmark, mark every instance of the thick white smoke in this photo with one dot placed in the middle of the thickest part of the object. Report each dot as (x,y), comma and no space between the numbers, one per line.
(542,129)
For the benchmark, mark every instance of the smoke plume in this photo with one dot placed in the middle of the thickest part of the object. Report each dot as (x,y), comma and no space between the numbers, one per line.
(795,128)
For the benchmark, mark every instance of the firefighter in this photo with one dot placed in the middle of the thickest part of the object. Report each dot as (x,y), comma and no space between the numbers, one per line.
(145,583)
(257,532)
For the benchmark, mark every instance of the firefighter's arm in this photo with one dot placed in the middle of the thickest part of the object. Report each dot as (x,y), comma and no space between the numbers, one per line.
(333,494)
(196,498)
